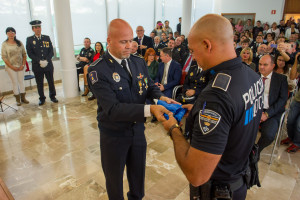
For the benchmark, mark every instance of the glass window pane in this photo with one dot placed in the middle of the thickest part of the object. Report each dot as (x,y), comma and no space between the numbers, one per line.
(173,10)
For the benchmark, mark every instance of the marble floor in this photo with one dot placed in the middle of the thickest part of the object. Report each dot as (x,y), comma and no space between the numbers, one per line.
(52,152)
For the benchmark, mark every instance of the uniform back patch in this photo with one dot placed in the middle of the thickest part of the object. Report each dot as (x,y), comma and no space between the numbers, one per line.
(93,77)
(222,81)
(208,120)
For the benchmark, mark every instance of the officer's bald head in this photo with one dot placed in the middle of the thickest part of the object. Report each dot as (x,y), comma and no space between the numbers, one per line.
(119,38)
(211,41)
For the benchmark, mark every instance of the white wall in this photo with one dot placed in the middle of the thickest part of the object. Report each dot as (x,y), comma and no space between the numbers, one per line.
(6,84)
(262,8)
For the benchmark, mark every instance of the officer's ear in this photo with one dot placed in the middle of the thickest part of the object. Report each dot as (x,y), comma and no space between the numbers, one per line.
(207,45)
(108,40)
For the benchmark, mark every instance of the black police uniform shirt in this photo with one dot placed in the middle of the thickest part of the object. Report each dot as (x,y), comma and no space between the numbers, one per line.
(121,99)
(87,53)
(195,80)
(225,117)
(40,49)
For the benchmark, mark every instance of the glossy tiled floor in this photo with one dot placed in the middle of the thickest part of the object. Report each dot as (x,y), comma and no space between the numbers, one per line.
(52,152)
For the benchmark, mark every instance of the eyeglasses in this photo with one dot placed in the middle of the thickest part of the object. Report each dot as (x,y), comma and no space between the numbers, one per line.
(151,55)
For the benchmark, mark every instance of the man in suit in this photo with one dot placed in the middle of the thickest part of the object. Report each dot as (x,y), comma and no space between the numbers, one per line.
(39,49)
(143,41)
(134,48)
(169,72)
(275,97)
(121,84)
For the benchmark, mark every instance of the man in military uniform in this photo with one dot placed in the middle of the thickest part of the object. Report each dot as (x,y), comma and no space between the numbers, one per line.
(175,53)
(225,118)
(85,57)
(121,83)
(157,46)
(134,48)
(181,49)
(194,83)
(40,50)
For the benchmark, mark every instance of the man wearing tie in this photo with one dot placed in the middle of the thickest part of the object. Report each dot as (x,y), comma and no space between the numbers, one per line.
(40,50)
(275,97)
(143,41)
(169,72)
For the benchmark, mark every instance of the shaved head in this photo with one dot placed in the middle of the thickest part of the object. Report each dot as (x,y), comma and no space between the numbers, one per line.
(211,41)
(119,38)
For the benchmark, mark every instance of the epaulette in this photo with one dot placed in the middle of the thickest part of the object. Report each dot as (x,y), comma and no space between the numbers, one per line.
(221,81)
(139,56)
(96,62)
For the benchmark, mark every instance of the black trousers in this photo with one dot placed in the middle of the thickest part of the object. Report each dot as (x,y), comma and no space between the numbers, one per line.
(118,151)
(39,78)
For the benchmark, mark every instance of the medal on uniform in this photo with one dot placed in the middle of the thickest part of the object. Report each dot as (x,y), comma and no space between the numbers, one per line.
(202,79)
(140,76)
(116,77)
(34,42)
(141,88)
(111,60)
(179,49)
(191,74)
(146,81)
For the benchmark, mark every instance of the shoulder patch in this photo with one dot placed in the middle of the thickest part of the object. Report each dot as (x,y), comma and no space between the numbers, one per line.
(96,62)
(93,77)
(222,81)
(208,120)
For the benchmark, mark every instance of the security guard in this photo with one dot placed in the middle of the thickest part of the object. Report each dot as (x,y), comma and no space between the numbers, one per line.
(121,83)
(224,120)
(40,50)
(194,83)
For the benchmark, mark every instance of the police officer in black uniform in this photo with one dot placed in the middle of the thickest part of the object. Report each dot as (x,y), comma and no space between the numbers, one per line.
(40,50)
(224,119)
(85,57)
(194,83)
(121,83)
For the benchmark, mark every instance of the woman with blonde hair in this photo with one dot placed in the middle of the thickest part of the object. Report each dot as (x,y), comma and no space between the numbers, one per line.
(247,57)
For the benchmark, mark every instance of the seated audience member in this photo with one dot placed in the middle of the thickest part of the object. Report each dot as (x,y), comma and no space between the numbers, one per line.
(181,49)
(143,41)
(281,67)
(194,83)
(255,44)
(293,119)
(275,97)
(152,64)
(236,38)
(269,37)
(157,45)
(249,36)
(282,49)
(152,35)
(134,48)
(176,34)
(239,26)
(266,28)
(247,57)
(167,27)
(245,43)
(85,57)
(169,72)
(184,42)
(291,30)
(175,54)
(164,40)
(248,26)
(257,29)
(242,37)
(261,51)
(281,26)
(170,36)
(274,30)
(99,51)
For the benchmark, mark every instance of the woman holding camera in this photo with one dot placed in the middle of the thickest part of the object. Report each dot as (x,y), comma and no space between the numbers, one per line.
(14,55)
(159,29)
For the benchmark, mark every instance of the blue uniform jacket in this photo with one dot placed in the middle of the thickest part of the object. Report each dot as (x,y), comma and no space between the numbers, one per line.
(121,101)
(40,50)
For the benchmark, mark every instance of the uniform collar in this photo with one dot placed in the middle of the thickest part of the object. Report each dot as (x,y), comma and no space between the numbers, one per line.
(229,64)
(117,59)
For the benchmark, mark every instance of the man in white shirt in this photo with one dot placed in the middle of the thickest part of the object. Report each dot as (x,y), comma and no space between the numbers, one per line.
(275,97)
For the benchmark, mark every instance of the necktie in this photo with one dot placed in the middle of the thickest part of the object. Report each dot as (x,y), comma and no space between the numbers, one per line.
(264,79)
(140,41)
(164,76)
(123,63)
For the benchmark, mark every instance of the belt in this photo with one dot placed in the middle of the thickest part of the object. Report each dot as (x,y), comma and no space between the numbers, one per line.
(237,184)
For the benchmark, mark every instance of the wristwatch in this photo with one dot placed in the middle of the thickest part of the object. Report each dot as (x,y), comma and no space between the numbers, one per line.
(171,129)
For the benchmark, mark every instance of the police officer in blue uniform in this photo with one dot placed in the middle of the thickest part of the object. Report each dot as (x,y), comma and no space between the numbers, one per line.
(40,50)
(121,84)
(225,118)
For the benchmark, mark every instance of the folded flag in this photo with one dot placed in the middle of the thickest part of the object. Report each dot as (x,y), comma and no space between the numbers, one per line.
(176,109)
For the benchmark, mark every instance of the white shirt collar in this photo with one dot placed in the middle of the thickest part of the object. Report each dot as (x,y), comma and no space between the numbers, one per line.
(168,63)
(269,76)
(117,59)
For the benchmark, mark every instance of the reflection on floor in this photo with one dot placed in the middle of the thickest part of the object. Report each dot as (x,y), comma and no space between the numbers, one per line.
(52,152)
